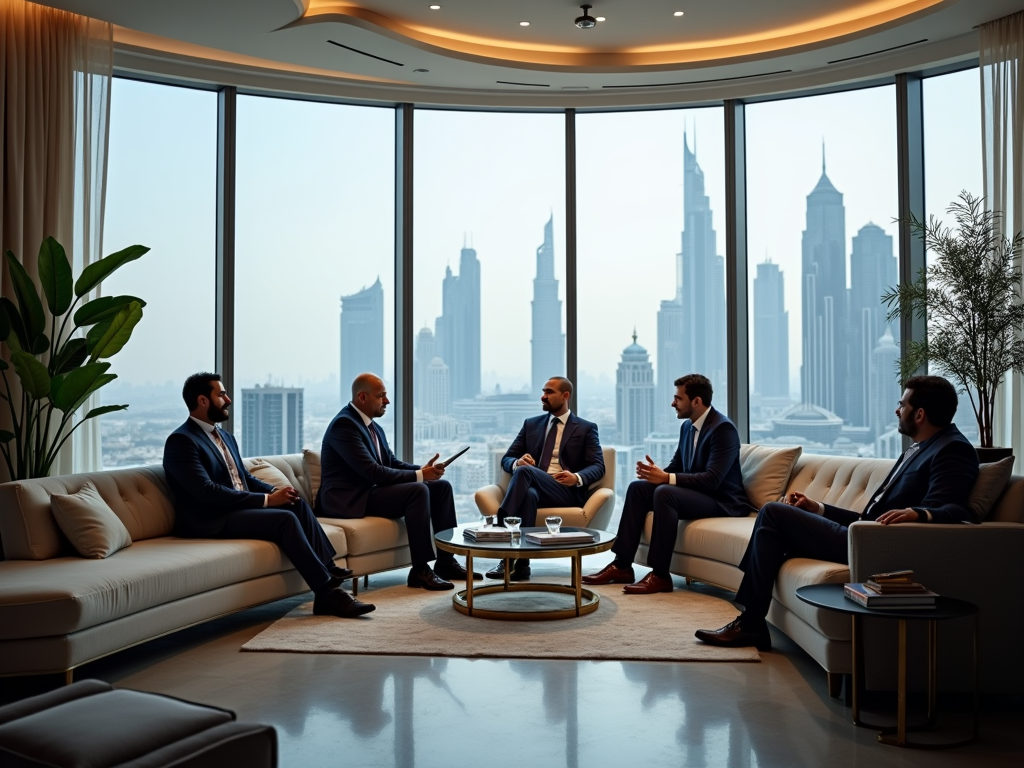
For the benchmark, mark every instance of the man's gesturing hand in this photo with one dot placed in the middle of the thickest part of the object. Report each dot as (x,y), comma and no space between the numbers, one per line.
(526,461)
(283,497)
(651,472)
(799,500)
(432,471)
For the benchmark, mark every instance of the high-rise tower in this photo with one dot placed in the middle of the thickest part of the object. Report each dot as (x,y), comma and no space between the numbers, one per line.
(634,395)
(548,342)
(457,339)
(362,335)
(425,353)
(271,421)
(771,333)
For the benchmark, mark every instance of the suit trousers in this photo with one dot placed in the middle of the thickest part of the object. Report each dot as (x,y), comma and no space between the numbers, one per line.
(421,504)
(294,529)
(671,503)
(530,488)
(783,531)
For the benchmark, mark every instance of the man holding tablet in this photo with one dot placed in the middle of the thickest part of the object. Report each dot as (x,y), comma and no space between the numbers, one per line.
(361,476)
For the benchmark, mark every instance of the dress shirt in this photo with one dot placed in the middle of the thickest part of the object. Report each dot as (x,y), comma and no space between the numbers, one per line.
(366,422)
(697,426)
(208,429)
(555,466)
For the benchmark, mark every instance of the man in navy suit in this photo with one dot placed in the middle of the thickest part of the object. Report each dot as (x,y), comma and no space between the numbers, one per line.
(702,480)
(215,497)
(929,484)
(361,476)
(553,461)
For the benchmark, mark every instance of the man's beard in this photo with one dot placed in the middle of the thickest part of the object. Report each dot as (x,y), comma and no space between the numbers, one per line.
(216,415)
(907,427)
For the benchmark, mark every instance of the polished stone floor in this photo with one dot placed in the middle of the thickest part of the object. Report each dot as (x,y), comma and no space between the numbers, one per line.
(352,711)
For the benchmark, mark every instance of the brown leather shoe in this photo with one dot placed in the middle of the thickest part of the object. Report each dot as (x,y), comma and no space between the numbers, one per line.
(735,635)
(611,574)
(648,585)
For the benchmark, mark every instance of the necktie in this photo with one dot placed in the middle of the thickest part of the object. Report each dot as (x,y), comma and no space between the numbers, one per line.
(236,478)
(549,445)
(376,443)
(688,452)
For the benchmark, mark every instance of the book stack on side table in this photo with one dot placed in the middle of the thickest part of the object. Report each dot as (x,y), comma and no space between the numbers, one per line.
(487,533)
(562,537)
(895,590)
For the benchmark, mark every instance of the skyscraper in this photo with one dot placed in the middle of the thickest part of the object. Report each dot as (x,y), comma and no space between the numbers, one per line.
(691,326)
(884,389)
(271,421)
(547,345)
(457,340)
(634,395)
(439,396)
(425,353)
(823,375)
(362,335)
(771,333)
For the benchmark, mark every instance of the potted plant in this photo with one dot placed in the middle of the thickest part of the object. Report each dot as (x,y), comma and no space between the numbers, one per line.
(58,363)
(970,297)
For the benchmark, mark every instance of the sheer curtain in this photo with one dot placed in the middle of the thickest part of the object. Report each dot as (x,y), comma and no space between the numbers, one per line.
(55,73)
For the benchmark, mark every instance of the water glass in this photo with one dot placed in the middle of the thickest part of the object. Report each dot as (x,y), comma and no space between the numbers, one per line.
(490,521)
(513,523)
(554,523)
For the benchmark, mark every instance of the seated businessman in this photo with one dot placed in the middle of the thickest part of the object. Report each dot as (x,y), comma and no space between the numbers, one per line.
(553,461)
(930,483)
(702,480)
(360,477)
(216,498)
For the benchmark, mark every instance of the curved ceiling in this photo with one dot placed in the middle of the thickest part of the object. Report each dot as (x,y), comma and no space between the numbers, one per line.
(477,51)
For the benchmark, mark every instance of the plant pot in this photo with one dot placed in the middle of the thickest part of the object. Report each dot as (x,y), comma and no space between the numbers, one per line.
(991,455)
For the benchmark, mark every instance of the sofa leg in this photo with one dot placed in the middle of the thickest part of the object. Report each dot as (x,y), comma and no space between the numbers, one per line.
(355,586)
(366,581)
(69,676)
(835,684)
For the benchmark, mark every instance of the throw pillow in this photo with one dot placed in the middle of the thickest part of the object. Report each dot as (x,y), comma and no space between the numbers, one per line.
(992,479)
(89,523)
(312,461)
(766,471)
(267,472)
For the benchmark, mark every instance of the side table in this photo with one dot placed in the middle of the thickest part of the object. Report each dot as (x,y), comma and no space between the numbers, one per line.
(831,598)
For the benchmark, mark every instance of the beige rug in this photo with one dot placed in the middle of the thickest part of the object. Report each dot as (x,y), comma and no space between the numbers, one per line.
(415,623)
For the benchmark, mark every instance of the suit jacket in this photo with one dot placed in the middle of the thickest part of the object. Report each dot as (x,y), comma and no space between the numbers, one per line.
(349,466)
(200,481)
(579,452)
(713,467)
(938,478)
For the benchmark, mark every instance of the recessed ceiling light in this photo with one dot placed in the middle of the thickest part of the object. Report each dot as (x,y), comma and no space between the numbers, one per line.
(421,70)
(524,23)
(435,7)
(678,13)
(600,18)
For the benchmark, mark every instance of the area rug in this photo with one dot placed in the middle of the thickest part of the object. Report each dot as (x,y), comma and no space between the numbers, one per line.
(415,623)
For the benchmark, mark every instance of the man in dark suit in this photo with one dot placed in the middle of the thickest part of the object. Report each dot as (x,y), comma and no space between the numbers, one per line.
(215,497)
(361,476)
(568,461)
(702,480)
(930,483)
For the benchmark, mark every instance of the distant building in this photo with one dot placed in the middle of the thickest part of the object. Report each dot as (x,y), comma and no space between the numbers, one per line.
(271,421)
(634,395)
(439,395)
(771,333)
(362,336)
(884,385)
(424,354)
(457,331)
(547,343)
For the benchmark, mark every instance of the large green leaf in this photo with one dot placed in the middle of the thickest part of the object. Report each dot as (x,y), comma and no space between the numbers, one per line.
(76,385)
(101,381)
(17,326)
(40,344)
(35,379)
(71,356)
(28,297)
(118,333)
(55,276)
(103,308)
(6,436)
(5,324)
(96,333)
(105,409)
(98,271)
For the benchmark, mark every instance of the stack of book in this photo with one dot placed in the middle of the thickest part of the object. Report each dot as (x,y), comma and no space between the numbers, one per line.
(896,590)
(562,537)
(487,533)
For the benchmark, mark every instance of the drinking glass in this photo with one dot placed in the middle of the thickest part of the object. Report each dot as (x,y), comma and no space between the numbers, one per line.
(490,521)
(554,523)
(513,523)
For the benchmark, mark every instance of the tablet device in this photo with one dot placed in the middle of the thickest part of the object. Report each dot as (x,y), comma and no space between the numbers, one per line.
(456,455)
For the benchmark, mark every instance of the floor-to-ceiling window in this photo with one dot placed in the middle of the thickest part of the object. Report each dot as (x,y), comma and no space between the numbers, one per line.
(821,199)
(314,276)
(651,272)
(161,184)
(489,283)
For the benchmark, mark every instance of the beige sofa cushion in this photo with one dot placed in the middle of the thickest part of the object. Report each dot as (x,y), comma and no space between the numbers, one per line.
(715,538)
(992,479)
(766,471)
(90,525)
(800,572)
(838,480)
(263,470)
(311,460)
(293,467)
(369,534)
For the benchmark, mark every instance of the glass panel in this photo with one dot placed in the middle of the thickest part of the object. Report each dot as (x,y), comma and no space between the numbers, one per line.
(952,164)
(314,280)
(821,199)
(489,284)
(161,186)
(651,221)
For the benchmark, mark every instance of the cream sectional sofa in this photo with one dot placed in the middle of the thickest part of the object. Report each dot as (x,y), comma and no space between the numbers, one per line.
(983,564)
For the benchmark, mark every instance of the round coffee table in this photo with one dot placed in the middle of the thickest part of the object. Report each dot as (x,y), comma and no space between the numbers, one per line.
(831,597)
(587,601)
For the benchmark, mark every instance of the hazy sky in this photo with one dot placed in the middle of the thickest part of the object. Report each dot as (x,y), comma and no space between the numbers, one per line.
(315,201)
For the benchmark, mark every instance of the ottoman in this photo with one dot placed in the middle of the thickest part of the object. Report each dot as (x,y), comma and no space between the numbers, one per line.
(93,725)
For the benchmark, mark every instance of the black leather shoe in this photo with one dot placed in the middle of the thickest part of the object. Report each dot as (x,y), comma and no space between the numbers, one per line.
(338,602)
(453,570)
(337,572)
(735,635)
(520,571)
(427,579)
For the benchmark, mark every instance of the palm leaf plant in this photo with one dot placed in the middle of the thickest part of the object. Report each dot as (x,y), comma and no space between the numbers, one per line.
(969,295)
(58,344)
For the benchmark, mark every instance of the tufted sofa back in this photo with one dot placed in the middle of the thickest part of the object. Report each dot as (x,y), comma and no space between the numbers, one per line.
(839,480)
